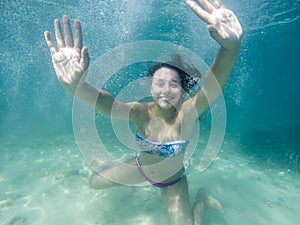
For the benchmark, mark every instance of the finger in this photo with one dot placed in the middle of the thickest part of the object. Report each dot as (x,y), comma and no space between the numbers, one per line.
(216,3)
(198,11)
(49,42)
(85,58)
(58,34)
(68,32)
(216,33)
(212,29)
(78,36)
(206,5)
(84,62)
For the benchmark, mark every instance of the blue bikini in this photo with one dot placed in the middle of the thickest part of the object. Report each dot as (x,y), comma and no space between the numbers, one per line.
(166,150)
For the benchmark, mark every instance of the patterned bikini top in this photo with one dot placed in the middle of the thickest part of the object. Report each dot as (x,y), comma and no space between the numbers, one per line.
(166,150)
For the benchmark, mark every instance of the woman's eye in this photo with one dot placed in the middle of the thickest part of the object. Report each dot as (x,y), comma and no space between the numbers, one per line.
(174,85)
(160,84)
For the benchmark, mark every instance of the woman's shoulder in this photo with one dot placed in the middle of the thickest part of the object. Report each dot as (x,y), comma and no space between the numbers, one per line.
(139,112)
(141,107)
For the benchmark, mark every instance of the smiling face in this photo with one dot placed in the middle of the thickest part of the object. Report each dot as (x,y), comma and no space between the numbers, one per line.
(166,88)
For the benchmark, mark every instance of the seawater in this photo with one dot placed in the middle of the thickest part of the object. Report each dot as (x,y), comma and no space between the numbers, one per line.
(43,175)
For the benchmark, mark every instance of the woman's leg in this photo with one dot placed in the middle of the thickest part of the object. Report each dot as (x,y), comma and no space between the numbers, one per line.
(123,174)
(177,204)
(204,199)
(176,201)
(198,208)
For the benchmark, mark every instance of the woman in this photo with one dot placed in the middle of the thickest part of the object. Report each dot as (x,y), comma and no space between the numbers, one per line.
(164,125)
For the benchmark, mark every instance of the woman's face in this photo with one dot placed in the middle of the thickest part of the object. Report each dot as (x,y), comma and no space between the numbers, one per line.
(166,88)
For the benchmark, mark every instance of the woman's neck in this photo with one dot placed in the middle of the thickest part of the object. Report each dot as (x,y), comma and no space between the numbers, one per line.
(168,115)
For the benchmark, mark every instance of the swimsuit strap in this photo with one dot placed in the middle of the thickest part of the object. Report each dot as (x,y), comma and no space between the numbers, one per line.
(160,185)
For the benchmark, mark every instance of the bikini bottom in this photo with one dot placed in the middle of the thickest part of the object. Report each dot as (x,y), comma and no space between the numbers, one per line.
(160,185)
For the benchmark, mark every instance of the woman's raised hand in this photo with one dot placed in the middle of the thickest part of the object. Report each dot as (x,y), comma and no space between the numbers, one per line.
(222,23)
(69,58)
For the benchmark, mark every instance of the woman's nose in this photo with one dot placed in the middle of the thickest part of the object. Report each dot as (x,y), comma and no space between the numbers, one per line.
(166,88)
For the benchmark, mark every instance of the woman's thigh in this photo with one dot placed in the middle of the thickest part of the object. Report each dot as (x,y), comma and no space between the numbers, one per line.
(177,204)
(126,173)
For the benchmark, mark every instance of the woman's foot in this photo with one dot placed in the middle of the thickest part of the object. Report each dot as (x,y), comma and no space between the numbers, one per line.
(205,199)
(214,203)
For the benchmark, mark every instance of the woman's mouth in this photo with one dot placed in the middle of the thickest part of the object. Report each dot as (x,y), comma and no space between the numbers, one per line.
(165,99)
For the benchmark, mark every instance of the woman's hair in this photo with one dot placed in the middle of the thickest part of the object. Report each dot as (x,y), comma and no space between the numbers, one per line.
(188,75)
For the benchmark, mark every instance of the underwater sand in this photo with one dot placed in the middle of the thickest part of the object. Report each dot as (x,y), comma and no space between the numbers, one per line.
(46,182)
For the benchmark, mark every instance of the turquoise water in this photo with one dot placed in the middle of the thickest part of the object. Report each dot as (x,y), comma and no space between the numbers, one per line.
(43,177)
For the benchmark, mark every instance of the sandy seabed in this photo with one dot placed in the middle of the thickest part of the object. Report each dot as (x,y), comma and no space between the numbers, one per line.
(47,184)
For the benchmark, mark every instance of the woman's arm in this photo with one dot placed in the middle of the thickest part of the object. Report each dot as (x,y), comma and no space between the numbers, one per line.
(225,28)
(71,61)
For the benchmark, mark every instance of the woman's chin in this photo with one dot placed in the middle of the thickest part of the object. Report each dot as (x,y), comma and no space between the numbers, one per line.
(165,105)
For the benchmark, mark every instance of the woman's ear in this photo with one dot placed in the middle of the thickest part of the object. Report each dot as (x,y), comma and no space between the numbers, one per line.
(184,95)
(150,84)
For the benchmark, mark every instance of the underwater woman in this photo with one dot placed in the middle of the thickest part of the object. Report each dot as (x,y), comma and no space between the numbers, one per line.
(163,125)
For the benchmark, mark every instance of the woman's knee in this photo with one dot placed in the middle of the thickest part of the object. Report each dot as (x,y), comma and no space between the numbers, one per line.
(94,181)
(98,182)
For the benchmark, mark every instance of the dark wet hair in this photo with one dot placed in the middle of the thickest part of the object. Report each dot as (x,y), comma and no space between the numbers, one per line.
(187,81)
(189,75)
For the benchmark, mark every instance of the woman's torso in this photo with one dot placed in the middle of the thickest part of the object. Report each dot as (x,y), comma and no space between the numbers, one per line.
(159,129)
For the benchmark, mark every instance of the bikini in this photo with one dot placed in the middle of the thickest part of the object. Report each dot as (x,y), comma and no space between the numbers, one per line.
(166,150)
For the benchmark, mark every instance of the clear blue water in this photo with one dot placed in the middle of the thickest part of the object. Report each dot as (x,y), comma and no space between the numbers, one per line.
(43,177)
